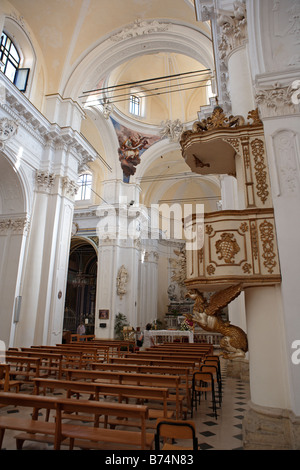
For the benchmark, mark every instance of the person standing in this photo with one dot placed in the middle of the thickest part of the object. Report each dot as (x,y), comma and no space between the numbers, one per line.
(81,329)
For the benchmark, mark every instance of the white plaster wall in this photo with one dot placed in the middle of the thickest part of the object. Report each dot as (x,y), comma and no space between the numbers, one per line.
(267,358)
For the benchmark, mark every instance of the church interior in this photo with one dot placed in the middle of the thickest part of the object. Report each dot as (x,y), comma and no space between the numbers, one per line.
(149,211)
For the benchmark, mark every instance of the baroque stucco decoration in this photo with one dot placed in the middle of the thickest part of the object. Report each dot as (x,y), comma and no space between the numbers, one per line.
(139,28)
(179,267)
(8,128)
(122,280)
(206,313)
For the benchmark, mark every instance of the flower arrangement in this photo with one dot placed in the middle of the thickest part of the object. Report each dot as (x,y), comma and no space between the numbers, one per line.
(187,325)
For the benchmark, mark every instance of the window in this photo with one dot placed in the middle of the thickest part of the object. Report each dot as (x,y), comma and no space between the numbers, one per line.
(9,56)
(134,105)
(10,66)
(85,187)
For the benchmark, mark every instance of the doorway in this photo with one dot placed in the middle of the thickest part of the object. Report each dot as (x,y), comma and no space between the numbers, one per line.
(81,287)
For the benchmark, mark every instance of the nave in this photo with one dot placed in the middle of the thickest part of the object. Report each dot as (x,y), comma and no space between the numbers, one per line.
(221,433)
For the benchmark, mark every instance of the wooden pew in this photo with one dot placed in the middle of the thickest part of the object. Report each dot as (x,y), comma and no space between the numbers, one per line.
(32,425)
(78,435)
(5,381)
(162,355)
(84,338)
(70,357)
(50,363)
(23,368)
(207,348)
(185,373)
(153,362)
(115,344)
(123,392)
(93,437)
(154,380)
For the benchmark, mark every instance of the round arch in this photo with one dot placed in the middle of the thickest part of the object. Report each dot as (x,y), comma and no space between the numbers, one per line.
(14,186)
(81,285)
(109,53)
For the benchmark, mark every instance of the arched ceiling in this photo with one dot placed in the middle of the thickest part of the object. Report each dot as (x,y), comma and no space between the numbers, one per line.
(88,44)
(170,85)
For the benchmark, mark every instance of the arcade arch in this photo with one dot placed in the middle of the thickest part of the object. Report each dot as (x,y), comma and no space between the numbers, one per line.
(81,285)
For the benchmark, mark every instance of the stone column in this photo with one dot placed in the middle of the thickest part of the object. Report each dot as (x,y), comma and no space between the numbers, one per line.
(148,284)
(281,124)
(236,309)
(274,41)
(119,256)
(30,290)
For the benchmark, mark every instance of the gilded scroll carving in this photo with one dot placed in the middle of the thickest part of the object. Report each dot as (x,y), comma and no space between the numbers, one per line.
(210,270)
(267,238)
(257,147)
(254,239)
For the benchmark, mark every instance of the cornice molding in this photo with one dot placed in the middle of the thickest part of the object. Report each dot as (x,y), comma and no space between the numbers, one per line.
(23,112)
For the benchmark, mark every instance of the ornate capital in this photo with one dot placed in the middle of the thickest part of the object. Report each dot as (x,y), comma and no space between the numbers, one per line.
(69,187)
(233,27)
(44,181)
(8,128)
(278,100)
(14,226)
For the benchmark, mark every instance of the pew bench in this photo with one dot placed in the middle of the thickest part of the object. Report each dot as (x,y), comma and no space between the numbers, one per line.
(50,363)
(6,383)
(22,368)
(94,437)
(185,373)
(79,435)
(31,425)
(95,390)
(172,382)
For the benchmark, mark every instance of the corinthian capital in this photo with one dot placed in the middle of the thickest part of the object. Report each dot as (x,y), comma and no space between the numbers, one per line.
(70,188)
(44,181)
(233,27)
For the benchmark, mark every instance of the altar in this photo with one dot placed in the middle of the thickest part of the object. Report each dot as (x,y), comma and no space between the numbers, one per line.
(152,337)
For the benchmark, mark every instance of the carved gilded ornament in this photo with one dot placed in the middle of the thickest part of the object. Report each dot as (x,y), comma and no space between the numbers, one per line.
(210,270)
(219,120)
(227,247)
(207,314)
(267,237)
(257,147)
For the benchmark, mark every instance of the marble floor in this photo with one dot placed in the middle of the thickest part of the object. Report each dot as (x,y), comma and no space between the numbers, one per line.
(223,433)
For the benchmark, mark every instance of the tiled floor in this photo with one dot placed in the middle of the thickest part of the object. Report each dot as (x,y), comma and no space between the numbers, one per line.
(223,433)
